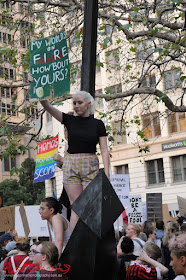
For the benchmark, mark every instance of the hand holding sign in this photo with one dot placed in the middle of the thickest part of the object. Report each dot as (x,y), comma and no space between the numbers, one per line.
(49,67)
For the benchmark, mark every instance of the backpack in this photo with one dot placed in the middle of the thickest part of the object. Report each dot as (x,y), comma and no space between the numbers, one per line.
(19,268)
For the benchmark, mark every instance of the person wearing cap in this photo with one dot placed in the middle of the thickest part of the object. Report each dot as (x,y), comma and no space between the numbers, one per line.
(5,238)
(10,250)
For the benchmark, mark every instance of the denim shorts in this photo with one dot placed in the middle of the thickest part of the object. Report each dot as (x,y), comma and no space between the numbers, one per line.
(80,169)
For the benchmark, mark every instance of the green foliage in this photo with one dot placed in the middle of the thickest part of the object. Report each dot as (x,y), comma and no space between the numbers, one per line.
(12,193)
(26,177)
(15,191)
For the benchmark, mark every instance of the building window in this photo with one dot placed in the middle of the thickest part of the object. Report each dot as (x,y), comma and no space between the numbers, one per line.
(109,29)
(122,169)
(151,125)
(11,74)
(32,113)
(9,163)
(144,50)
(98,64)
(119,133)
(149,81)
(25,29)
(179,168)
(177,122)
(113,89)
(155,171)
(9,38)
(76,70)
(25,77)
(112,60)
(172,79)
(2,92)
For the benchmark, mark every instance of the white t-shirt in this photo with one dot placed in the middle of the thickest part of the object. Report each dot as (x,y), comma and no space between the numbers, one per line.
(180,277)
(138,246)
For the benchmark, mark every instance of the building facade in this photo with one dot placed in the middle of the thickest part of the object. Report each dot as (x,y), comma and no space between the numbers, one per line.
(16,29)
(149,140)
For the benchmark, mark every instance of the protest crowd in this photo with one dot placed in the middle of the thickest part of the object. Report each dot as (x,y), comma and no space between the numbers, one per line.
(143,252)
(151,251)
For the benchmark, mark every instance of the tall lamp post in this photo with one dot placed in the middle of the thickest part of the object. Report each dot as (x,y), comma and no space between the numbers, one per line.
(89,46)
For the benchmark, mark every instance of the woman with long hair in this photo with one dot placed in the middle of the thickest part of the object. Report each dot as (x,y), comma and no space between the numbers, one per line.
(81,164)
(46,257)
(50,210)
(169,232)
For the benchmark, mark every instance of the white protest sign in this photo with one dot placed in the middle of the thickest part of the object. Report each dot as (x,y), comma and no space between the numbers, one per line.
(134,211)
(38,227)
(120,183)
(144,211)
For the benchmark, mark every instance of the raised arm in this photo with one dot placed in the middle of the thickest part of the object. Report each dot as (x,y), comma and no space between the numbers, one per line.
(105,154)
(57,114)
(145,258)
(119,251)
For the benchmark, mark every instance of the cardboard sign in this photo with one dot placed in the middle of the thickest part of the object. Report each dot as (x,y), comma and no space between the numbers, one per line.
(135,212)
(45,165)
(166,215)
(24,220)
(120,183)
(182,206)
(7,218)
(49,67)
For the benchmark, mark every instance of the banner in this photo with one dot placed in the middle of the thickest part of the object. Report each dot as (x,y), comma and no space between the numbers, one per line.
(49,67)
(45,165)
(120,183)
(135,212)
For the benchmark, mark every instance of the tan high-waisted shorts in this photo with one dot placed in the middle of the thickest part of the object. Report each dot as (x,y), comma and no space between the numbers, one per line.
(80,168)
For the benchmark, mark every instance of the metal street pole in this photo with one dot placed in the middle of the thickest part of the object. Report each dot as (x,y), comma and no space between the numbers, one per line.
(89,46)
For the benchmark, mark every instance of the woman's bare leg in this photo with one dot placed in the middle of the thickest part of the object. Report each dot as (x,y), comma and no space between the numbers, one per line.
(73,192)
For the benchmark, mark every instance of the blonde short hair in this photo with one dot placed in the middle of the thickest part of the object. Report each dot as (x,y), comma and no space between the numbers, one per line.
(88,97)
(152,250)
(136,227)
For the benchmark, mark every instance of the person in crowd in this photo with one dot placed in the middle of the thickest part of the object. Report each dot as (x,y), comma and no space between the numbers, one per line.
(46,257)
(151,234)
(127,247)
(145,227)
(10,250)
(59,227)
(132,231)
(28,268)
(5,238)
(183,228)
(170,230)
(147,266)
(81,164)
(159,229)
(16,264)
(181,220)
(177,247)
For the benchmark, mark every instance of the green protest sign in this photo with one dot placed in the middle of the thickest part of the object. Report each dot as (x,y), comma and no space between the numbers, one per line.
(49,67)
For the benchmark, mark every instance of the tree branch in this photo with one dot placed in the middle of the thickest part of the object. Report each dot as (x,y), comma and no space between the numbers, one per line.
(145,90)
(48,3)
